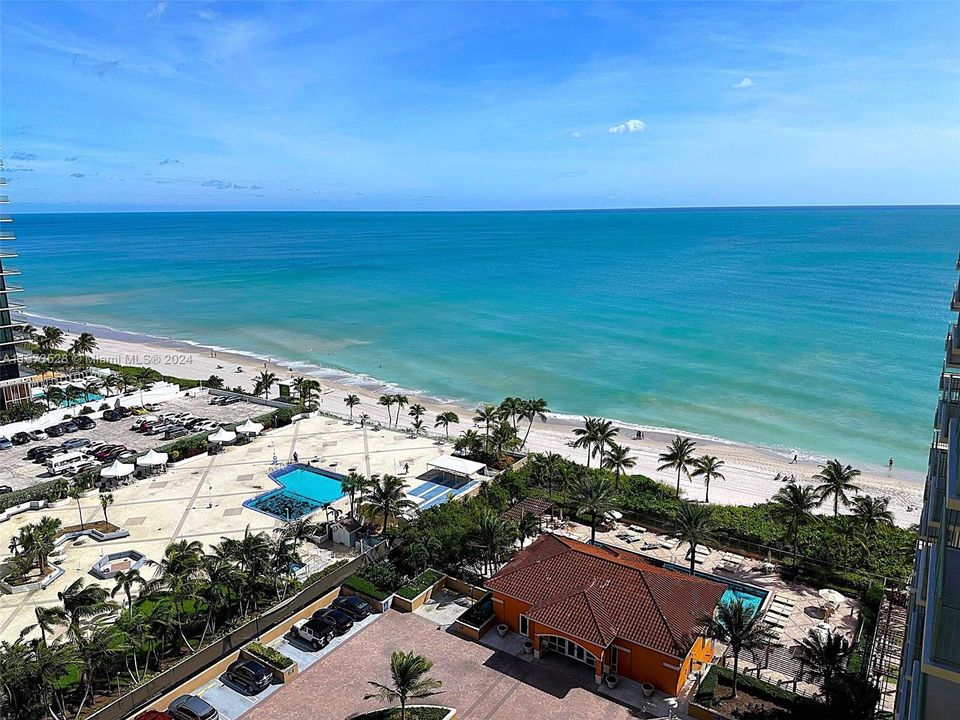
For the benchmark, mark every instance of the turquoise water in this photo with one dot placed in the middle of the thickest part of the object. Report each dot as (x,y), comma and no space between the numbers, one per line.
(86,397)
(815,329)
(303,490)
(752,597)
(749,599)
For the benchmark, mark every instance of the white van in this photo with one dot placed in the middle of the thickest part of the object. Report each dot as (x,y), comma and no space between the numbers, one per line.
(57,464)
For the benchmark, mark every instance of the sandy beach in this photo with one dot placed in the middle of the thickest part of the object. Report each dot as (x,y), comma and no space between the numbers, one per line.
(750,471)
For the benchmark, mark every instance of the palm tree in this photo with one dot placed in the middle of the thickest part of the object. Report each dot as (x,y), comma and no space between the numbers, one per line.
(106,500)
(708,467)
(585,436)
(493,537)
(76,493)
(351,401)
(265,380)
(836,480)
(679,457)
(533,409)
(126,582)
(110,383)
(351,485)
(177,573)
(83,345)
(143,380)
(618,460)
(54,396)
(387,402)
(740,627)
(417,411)
(793,505)
(444,419)
(49,339)
(48,618)
(306,389)
(408,672)
(36,540)
(364,418)
(402,402)
(74,396)
(528,527)
(510,408)
(386,499)
(592,494)
(872,511)
(825,654)
(488,415)
(695,527)
(82,602)
(417,426)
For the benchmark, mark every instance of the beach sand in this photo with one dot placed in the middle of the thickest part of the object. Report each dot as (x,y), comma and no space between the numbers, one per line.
(750,471)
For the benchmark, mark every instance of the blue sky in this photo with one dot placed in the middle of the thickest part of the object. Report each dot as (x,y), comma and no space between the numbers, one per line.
(401,106)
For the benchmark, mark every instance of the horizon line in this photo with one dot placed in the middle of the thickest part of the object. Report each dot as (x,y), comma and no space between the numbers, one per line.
(522,210)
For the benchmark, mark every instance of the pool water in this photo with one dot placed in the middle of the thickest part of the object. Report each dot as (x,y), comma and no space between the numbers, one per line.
(749,599)
(752,597)
(302,491)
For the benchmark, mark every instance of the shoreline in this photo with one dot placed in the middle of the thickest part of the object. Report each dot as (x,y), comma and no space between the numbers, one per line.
(750,469)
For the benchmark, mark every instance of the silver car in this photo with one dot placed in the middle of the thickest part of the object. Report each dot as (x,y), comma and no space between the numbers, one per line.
(191,707)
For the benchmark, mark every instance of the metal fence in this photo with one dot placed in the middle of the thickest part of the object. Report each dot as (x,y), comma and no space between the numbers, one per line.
(214,652)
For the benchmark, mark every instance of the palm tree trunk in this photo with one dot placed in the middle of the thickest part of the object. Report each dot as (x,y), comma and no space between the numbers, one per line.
(836,504)
(678,482)
(706,497)
(693,558)
(593,528)
(736,663)
(80,513)
(527,434)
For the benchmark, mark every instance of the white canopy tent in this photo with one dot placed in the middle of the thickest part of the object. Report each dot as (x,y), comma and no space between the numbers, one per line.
(250,428)
(457,466)
(222,436)
(117,470)
(152,459)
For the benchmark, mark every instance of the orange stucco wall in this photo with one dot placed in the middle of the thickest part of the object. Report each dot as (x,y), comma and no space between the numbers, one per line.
(634,661)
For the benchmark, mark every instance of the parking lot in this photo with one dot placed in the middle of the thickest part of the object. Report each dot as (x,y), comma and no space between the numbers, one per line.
(19,472)
(232,701)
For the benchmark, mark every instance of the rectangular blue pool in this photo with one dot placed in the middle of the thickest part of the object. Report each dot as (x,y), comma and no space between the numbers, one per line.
(302,490)
(751,596)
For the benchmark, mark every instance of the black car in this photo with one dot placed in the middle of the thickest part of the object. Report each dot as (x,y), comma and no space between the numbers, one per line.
(339,619)
(112,415)
(355,607)
(54,431)
(4,489)
(36,450)
(250,675)
(84,423)
(20,438)
(68,427)
(45,454)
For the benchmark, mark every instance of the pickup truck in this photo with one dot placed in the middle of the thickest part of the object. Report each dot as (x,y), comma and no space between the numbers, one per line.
(316,633)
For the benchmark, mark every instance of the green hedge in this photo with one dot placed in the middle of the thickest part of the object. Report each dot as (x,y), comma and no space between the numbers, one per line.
(40,491)
(706,694)
(868,623)
(311,579)
(272,657)
(421,582)
(361,585)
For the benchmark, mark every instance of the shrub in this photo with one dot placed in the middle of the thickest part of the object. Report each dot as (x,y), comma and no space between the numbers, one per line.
(420,583)
(67,416)
(382,574)
(270,656)
(104,407)
(87,410)
(185,447)
(367,588)
(311,579)
(40,491)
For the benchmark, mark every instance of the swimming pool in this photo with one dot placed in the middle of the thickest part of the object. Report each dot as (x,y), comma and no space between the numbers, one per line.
(302,491)
(752,597)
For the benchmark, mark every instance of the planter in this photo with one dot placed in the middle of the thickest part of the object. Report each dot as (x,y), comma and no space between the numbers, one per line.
(284,676)
(647,689)
(58,503)
(528,646)
(92,492)
(611,681)
(502,630)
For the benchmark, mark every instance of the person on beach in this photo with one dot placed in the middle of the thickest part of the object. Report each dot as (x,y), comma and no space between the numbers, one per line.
(406,468)
(794,461)
(890,463)
(296,458)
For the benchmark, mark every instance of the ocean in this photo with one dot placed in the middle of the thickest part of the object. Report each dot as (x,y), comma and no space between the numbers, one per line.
(810,329)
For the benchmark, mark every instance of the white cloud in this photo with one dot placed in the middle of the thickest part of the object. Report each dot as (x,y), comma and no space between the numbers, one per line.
(630,126)
(206,14)
(156,11)
(745,83)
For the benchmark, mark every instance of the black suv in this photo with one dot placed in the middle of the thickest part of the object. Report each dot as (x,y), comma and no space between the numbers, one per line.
(250,675)
(20,438)
(68,427)
(54,431)
(84,423)
(355,607)
(339,619)
(112,415)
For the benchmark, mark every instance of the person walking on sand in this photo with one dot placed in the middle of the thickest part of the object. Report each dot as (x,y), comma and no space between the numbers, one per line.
(794,461)
(296,458)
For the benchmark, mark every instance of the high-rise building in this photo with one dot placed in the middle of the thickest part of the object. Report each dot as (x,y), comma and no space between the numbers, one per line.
(929,686)
(11,391)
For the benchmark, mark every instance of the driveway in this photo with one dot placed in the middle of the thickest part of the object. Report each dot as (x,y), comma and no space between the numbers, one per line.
(481,683)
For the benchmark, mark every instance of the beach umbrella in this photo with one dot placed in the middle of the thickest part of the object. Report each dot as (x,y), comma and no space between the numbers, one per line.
(250,428)
(117,470)
(222,436)
(152,458)
(831,596)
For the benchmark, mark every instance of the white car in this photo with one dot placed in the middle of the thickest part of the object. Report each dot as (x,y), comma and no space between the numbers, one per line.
(37,435)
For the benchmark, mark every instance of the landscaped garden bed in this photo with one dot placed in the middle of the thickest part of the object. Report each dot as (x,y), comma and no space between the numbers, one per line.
(756,700)
(421,582)
(417,712)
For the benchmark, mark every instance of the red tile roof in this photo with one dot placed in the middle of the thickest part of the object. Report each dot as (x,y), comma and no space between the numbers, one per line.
(598,594)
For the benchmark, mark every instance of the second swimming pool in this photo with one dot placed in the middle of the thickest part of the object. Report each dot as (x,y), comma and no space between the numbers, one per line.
(302,491)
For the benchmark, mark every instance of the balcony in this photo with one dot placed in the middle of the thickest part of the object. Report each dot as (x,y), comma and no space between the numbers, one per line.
(953,466)
(11,289)
(952,347)
(955,300)
(9,272)
(7,236)
(4,199)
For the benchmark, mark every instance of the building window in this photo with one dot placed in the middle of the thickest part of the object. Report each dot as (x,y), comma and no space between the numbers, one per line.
(524,630)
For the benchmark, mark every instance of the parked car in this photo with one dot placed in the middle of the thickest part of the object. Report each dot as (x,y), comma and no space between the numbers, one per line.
(355,607)
(251,675)
(68,426)
(37,450)
(5,489)
(54,431)
(153,715)
(75,443)
(107,450)
(37,435)
(112,415)
(175,432)
(5,443)
(85,423)
(139,411)
(339,619)
(191,707)
(124,412)
(128,455)
(317,633)
(80,469)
